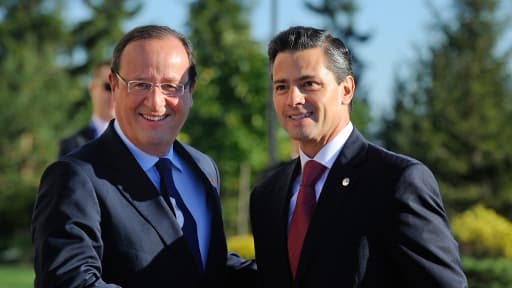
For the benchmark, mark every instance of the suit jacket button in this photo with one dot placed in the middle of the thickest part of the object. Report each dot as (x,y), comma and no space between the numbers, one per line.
(345,182)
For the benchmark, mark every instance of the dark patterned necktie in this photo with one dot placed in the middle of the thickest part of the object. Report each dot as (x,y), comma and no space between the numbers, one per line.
(189,227)
(304,207)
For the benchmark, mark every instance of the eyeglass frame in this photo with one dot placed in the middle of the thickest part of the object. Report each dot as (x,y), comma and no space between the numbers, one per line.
(182,87)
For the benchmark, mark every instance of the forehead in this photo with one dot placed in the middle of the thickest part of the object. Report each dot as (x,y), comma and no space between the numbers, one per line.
(296,64)
(164,52)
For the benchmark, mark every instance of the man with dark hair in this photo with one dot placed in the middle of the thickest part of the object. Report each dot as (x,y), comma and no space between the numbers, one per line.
(135,207)
(346,212)
(102,110)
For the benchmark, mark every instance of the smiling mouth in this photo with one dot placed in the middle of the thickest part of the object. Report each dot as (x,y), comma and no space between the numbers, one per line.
(301,116)
(154,118)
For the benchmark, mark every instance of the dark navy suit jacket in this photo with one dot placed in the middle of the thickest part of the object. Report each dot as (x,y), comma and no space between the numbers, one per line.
(75,141)
(98,221)
(379,222)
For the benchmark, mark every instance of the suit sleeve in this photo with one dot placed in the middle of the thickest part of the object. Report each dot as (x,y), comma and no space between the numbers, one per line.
(66,230)
(426,251)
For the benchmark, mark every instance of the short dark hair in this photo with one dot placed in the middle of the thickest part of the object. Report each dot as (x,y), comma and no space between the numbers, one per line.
(154,32)
(297,38)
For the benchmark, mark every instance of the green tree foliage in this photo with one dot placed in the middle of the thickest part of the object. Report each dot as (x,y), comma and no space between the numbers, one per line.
(227,120)
(487,272)
(340,18)
(38,97)
(33,91)
(453,112)
(97,35)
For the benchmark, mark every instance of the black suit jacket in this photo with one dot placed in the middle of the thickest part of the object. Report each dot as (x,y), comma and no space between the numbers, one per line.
(76,140)
(386,227)
(98,221)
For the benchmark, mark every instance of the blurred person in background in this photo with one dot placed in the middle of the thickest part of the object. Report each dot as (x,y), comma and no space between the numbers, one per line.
(135,207)
(345,212)
(102,110)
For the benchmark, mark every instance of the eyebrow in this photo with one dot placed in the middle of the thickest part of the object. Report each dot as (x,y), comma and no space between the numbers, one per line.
(301,78)
(279,81)
(165,79)
(306,77)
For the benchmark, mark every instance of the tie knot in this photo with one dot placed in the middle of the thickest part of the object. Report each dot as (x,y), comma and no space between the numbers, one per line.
(163,165)
(311,173)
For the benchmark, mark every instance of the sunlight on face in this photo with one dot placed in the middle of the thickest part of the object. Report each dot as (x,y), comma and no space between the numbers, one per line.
(309,104)
(152,122)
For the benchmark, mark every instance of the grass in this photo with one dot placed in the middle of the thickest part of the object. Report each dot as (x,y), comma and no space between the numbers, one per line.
(16,276)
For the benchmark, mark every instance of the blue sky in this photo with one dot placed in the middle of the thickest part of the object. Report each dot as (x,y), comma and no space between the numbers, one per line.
(397,27)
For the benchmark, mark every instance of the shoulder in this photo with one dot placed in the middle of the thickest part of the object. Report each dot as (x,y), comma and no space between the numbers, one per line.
(76,140)
(199,157)
(277,176)
(86,133)
(274,171)
(65,179)
(391,159)
(397,167)
(406,173)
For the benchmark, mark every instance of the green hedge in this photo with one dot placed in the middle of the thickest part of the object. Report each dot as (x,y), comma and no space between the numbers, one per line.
(16,276)
(488,272)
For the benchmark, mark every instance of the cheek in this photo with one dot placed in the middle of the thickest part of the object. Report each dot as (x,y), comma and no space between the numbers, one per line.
(122,103)
(278,102)
(339,99)
(188,101)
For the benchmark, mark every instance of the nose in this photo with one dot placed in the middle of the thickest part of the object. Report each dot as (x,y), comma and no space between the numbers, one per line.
(155,99)
(295,96)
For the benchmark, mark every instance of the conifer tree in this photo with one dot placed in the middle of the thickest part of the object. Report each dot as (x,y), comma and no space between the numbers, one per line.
(227,120)
(453,112)
(39,96)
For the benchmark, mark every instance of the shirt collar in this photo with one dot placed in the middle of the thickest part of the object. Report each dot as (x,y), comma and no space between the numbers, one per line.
(99,124)
(145,160)
(328,154)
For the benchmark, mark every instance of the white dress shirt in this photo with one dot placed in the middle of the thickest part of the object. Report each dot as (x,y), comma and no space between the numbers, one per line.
(326,156)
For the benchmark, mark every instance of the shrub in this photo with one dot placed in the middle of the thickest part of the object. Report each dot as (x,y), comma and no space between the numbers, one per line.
(482,232)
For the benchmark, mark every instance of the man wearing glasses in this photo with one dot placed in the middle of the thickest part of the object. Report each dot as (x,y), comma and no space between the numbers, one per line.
(102,110)
(135,207)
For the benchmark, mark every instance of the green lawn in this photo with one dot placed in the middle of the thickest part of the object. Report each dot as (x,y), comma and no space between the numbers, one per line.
(16,276)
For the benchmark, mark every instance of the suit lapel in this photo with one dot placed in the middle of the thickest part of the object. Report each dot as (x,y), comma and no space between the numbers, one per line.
(135,186)
(208,175)
(278,205)
(337,187)
(282,196)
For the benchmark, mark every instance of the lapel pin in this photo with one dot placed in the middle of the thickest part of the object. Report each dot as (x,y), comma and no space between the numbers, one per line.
(345,182)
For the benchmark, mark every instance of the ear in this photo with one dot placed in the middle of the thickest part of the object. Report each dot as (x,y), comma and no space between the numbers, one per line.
(347,89)
(111,80)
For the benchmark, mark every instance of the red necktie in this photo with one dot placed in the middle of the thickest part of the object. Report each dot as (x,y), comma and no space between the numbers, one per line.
(304,207)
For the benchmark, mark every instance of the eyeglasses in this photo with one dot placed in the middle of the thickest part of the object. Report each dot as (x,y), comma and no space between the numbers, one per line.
(106,87)
(142,88)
